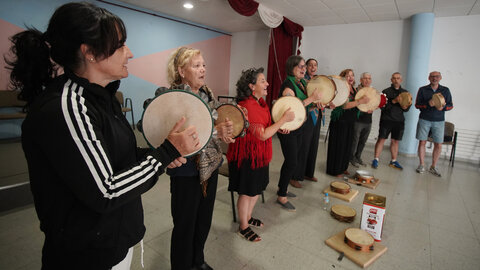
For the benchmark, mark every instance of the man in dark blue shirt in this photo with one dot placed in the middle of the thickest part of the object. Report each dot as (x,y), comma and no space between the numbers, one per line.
(432,119)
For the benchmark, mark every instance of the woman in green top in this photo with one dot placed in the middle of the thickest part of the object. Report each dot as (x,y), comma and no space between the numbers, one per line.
(340,135)
(294,146)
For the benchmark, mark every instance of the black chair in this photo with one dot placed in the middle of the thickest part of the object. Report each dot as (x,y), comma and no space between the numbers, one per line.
(125,105)
(450,138)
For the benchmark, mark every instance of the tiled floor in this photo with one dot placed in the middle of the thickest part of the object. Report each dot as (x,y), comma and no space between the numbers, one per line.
(431,223)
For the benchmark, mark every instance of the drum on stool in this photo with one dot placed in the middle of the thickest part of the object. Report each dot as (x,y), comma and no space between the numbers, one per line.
(340,187)
(359,239)
(295,105)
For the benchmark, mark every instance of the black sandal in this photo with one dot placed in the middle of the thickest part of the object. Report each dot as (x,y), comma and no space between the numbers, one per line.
(255,222)
(249,235)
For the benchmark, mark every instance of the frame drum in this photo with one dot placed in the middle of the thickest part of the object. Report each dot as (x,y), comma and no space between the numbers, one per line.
(343,212)
(374,99)
(235,114)
(340,187)
(295,105)
(438,100)
(168,108)
(405,99)
(324,85)
(363,176)
(343,90)
(359,239)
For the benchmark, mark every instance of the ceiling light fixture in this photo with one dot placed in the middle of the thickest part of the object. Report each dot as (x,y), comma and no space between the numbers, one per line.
(188,5)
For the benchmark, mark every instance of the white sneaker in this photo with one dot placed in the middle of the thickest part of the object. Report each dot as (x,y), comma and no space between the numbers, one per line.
(421,169)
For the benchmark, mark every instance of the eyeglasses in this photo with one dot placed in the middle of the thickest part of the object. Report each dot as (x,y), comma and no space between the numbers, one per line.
(301,66)
(435,76)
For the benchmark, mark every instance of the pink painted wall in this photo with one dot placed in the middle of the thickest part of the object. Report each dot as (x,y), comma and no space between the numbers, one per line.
(7,30)
(215,51)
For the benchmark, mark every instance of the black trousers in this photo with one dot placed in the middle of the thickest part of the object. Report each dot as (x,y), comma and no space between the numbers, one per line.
(290,144)
(192,218)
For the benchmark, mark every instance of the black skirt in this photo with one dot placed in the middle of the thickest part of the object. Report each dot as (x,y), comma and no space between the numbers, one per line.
(339,146)
(245,180)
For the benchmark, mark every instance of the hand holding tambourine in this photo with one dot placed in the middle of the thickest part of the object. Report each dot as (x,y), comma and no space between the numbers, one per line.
(185,141)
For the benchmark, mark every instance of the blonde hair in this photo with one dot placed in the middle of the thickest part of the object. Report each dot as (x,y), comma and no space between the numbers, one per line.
(179,59)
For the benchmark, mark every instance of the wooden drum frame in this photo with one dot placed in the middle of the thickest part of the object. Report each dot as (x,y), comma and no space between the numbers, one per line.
(359,239)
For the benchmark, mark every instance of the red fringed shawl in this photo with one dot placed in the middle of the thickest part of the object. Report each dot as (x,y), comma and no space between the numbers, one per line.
(250,147)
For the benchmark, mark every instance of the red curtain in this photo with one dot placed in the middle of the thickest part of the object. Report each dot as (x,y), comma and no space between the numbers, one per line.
(281,47)
(244,7)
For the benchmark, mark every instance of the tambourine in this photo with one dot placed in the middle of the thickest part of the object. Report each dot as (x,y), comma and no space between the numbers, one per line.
(405,99)
(165,110)
(343,213)
(375,99)
(342,90)
(340,187)
(438,100)
(359,239)
(235,114)
(295,105)
(324,85)
(364,176)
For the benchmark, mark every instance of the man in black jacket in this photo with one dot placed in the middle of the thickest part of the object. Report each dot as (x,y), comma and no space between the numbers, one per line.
(391,121)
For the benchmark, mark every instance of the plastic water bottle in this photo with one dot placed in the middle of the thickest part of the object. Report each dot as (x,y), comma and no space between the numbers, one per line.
(326,202)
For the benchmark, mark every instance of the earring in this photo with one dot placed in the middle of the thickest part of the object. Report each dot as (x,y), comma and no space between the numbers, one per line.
(91,59)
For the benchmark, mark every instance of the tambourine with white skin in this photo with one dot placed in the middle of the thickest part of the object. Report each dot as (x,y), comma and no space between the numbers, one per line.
(405,99)
(438,100)
(342,90)
(167,108)
(343,213)
(359,240)
(324,85)
(375,99)
(340,187)
(296,105)
(236,115)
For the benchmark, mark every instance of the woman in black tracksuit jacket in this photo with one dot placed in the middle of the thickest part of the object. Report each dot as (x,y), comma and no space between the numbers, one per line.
(86,172)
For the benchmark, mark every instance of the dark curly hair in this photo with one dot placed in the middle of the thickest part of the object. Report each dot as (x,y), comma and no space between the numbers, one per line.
(249,76)
(71,25)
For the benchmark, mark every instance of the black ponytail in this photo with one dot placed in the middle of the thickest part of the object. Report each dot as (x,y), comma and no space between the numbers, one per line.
(31,68)
(36,55)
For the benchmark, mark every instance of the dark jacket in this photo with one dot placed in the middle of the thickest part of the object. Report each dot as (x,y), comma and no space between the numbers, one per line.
(87,174)
(428,113)
(393,111)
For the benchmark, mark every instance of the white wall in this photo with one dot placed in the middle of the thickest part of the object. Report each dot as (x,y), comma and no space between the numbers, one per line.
(456,54)
(249,49)
(382,48)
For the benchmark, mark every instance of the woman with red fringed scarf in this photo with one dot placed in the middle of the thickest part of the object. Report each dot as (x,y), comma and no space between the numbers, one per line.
(249,156)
